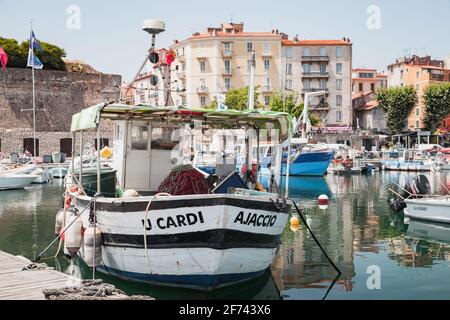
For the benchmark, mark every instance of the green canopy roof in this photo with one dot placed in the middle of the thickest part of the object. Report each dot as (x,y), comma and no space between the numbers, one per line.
(89,118)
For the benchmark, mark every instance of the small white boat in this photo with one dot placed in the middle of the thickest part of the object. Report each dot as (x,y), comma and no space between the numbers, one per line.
(435,209)
(43,176)
(21,169)
(58,173)
(10,181)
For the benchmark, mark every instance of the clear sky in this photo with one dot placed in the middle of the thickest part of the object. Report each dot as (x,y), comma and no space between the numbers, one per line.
(111,40)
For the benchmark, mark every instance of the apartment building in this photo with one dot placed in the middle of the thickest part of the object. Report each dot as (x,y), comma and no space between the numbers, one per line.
(316,65)
(419,72)
(365,84)
(217,60)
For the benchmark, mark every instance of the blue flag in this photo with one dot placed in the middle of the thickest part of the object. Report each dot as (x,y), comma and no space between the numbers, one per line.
(33,60)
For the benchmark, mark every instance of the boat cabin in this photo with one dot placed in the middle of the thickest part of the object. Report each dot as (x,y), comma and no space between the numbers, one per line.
(150,142)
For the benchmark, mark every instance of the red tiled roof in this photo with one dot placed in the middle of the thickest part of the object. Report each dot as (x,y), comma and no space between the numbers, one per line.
(369,106)
(364,69)
(315,43)
(238,34)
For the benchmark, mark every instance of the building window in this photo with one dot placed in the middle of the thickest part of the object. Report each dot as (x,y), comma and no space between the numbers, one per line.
(267,48)
(323,68)
(360,87)
(339,52)
(289,69)
(306,52)
(289,84)
(183,67)
(418,111)
(288,52)
(417,74)
(323,52)
(417,88)
(266,100)
(372,87)
(417,124)
(249,47)
(338,116)
(307,84)
(339,68)
(307,68)
(266,64)
(202,45)
(203,66)
(227,66)
(322,84)
(339,100)
(227,84)
(338,84)
(203,102)
(249,65)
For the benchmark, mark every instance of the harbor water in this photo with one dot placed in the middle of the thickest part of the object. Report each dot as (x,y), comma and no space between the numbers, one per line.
(379,255)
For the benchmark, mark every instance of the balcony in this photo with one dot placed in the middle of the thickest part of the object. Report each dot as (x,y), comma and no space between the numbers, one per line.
(315,74)
(224,89)
(181,58)
(267,54)
(227,53)
(266,89)
(437,77)
(308,90)
(228,72)
(202,90)
(315,58)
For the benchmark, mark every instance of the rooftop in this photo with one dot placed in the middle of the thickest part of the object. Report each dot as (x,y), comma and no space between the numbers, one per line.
(299,42)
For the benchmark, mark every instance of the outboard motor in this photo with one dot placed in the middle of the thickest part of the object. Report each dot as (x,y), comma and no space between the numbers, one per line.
(415,188)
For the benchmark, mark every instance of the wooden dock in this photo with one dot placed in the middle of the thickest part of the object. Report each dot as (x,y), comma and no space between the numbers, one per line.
(18,284)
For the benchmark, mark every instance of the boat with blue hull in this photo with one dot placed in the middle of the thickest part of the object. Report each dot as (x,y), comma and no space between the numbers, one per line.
(310,164)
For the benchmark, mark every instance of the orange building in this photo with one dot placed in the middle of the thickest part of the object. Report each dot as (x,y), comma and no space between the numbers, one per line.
(419,72)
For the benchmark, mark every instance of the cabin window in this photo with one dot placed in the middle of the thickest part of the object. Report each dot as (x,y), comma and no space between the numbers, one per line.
(164,138)
(139,138)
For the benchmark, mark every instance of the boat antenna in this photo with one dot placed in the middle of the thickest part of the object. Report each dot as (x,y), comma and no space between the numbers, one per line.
(153,27)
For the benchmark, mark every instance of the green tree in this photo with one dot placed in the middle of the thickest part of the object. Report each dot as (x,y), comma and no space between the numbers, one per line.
(397,103)
(290,106)
(50,56)
(436,98)
(237,99)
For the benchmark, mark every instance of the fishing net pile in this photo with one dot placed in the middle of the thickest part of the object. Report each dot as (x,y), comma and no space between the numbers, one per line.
(184,180)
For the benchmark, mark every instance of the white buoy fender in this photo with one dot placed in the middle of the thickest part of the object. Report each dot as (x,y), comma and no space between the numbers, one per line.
(73,231)
(323,201)
(89,254)
(59,221)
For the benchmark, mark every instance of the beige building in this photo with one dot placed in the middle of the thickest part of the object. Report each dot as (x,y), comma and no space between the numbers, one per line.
(316,65)
(211,63)
(218,60)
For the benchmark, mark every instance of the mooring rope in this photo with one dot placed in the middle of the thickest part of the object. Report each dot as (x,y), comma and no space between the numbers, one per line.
(145,228)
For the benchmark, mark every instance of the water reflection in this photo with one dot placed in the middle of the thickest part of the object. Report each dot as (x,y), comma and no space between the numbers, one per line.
(358,230)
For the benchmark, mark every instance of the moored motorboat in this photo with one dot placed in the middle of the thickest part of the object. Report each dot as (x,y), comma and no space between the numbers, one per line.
(11,181)
(43,176)
(435,209)
(58,172)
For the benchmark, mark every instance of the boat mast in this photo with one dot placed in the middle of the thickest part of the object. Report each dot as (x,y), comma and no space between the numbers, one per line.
(251,89)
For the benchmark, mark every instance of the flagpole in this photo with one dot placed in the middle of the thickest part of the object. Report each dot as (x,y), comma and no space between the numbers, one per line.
(34,96)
